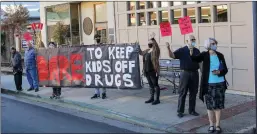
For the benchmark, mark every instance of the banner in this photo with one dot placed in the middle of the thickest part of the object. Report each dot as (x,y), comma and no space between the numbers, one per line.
(91,66)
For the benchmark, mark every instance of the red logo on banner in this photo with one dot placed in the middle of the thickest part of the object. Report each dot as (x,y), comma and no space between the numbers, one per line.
(185,25)
(165,29)
(35,26)
(27,36)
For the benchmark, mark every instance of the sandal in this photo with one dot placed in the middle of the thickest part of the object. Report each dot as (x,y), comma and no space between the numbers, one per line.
(218,130)
(211,129)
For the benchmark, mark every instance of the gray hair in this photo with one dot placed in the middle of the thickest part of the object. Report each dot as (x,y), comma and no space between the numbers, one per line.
(207,43)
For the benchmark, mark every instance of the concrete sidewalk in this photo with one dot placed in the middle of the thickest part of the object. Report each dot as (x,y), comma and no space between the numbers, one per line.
(129,105)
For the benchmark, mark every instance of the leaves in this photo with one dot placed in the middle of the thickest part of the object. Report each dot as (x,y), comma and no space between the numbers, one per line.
(59,33)
(15,18)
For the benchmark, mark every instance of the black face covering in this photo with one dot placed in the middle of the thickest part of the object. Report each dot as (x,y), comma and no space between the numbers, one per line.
(150,45)
(98,40)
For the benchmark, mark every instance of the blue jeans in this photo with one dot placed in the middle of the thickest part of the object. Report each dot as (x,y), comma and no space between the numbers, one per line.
(32,77)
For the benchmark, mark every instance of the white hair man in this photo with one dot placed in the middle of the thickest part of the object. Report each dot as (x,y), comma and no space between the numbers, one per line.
(189,77)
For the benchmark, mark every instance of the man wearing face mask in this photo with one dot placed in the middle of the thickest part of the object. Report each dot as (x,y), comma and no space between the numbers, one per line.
(189,77)
(97,37)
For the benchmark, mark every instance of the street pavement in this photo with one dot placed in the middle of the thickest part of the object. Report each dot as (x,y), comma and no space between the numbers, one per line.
(239,112)
(20,117)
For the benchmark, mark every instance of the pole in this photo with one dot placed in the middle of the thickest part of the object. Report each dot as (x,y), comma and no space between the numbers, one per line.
(255,54)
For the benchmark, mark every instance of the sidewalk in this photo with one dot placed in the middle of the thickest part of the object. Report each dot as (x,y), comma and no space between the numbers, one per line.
(129,105)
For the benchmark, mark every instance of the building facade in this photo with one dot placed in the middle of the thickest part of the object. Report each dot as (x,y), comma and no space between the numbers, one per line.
(231,23)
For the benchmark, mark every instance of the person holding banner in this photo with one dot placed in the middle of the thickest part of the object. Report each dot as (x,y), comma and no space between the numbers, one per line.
(213,82)
(189,77)
(151,69)
(56,90)
(31,67)
(97,38)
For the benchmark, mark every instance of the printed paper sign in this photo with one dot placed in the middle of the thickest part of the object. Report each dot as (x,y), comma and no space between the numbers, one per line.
(185,25)
(24,43)
(27,36)
(165,29)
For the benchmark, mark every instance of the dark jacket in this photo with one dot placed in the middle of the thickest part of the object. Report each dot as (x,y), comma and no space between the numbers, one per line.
(205,58)
(16,62)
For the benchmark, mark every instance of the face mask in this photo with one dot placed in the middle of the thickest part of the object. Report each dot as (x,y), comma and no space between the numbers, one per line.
(193,44)
(214,47)
(97,40)
(150,45)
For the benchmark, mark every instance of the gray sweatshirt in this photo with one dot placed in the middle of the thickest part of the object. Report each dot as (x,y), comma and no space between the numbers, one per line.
(16,62)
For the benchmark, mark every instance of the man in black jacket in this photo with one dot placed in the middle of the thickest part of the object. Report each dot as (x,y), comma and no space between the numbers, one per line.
(17,68)
(189,77)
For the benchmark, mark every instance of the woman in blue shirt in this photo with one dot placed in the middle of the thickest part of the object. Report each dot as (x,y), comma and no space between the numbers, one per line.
(213,82)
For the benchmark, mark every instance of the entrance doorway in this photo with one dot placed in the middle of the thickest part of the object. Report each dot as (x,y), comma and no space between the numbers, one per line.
(101,23)
(101,29)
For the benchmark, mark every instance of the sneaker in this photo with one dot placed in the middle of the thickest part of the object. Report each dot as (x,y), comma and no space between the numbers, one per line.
(180,115)
(36,90)
(95,96)
(194,113)
(156,102)
(30,89)
(103,95)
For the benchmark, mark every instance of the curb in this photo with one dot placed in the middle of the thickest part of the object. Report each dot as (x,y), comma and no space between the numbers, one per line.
(103,112)
(248,130)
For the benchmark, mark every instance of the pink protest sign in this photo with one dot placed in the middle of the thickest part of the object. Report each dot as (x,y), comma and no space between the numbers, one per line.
(27,36)
(165,29)
(185,25)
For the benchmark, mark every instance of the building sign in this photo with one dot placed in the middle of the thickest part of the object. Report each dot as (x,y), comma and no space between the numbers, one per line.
(91,66)
(24,43)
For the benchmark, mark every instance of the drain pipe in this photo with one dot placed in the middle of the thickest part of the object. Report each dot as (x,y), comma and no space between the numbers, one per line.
(255,54)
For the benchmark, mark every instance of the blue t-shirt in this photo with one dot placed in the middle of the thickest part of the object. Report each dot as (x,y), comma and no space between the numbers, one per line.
(183,54)
(214,65)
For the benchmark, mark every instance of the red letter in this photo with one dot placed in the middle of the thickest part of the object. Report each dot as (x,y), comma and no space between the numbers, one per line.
(42,66)
(75,69)
(53,68)
(64,66)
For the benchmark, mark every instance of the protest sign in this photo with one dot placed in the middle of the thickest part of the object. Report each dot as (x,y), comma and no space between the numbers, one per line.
(91,66)
(27,36)
(185,25)
(165,29)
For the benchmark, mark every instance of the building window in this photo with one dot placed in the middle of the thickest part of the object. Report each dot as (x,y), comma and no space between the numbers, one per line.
(205,14)
(164,16)
(75,36)
(152,18)
(100,13)
(165,4)
(191,13)
(141,18)
(221,13)
(190,2)
(152,4)
(176,14)
(131,6)
(141,5)
(177,3)
(132,19)
(58,24)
